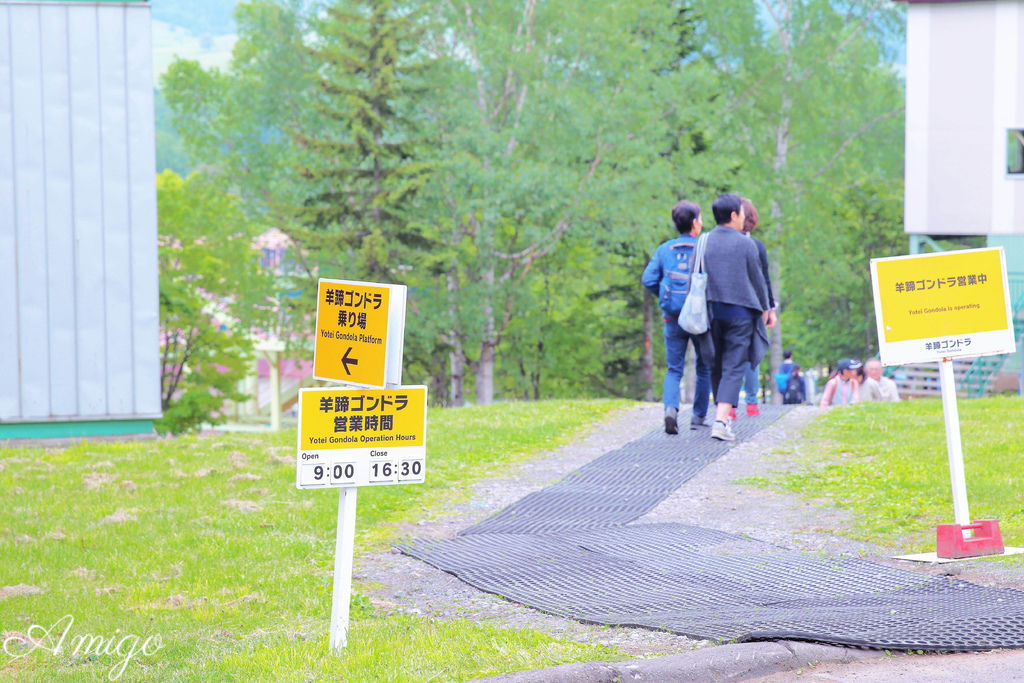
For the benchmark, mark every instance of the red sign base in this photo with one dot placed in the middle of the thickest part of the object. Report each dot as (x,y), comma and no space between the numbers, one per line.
(986,540)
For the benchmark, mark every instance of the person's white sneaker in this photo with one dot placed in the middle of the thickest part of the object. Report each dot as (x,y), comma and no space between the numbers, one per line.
(722,431)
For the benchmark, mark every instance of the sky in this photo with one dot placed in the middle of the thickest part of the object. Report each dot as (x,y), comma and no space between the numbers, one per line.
(192,29)
(203,30)
(175,41)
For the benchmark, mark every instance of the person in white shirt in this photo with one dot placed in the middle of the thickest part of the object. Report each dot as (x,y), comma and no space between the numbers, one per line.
(876,387)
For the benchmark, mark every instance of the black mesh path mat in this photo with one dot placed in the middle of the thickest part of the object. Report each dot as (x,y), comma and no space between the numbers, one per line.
(570,551)
(621,485)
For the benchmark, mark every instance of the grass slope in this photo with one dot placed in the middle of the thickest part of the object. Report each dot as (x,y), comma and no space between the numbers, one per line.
(887,463)
(205,543)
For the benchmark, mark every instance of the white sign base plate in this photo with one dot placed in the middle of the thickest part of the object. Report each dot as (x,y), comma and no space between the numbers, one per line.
(934,558)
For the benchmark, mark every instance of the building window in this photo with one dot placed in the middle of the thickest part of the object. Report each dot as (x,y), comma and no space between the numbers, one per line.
(1015,151)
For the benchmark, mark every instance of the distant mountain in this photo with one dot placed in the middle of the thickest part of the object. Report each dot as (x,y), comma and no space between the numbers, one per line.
(200,17)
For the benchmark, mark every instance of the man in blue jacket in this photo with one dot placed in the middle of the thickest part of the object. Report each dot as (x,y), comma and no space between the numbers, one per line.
(667,277)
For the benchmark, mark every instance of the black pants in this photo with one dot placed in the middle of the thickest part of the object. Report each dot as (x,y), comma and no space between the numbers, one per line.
(733,338)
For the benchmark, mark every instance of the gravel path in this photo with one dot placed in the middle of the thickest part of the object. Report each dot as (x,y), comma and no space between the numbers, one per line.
(711,499)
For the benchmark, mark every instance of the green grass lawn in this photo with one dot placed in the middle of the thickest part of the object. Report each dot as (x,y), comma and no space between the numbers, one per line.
(887,464)
(204,543)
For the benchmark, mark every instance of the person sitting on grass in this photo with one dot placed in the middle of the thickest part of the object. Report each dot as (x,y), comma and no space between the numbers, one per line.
(843,389)
(877,387)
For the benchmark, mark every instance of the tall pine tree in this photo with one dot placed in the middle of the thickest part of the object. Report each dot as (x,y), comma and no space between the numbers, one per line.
(361,170)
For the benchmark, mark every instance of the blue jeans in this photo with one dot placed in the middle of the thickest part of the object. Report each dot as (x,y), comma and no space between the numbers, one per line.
(751,384)
(675,357)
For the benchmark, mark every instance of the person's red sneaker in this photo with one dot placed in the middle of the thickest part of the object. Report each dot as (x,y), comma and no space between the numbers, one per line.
(732,413)
(753,409)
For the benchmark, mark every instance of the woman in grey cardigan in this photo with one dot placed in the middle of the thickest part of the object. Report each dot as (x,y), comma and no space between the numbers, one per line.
(738,302)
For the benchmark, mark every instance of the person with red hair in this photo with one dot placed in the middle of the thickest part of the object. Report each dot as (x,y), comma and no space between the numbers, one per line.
(750,379)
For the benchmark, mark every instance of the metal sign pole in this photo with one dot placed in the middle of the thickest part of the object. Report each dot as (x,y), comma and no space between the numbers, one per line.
(343,551)
(954,447)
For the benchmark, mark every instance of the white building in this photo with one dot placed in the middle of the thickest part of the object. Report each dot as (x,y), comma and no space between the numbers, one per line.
(79,308)
(965,118)
(965,143)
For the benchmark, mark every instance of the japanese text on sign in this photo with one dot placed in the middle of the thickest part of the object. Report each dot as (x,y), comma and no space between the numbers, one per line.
(353,300)
(355,404)
(948,344)
(359,437)
(940,282)
(354,321)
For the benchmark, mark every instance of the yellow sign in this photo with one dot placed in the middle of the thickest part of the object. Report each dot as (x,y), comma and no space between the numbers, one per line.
(358,437)
(358,418)
(353,324)
(942,305)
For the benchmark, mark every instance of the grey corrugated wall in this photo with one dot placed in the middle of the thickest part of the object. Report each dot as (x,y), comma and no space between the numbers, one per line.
(79,309)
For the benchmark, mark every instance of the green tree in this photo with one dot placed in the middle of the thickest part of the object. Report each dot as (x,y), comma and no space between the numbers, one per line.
(170,152)
(364,163)
(214,299)
(273,116)
(833,315)
(551,121)
(575,332)
(237,125)
(811,110)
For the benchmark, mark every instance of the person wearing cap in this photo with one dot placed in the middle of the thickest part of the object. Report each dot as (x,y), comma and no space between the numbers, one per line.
(843,389)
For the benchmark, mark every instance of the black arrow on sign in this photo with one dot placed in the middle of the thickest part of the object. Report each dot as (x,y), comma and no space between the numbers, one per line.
(346,361)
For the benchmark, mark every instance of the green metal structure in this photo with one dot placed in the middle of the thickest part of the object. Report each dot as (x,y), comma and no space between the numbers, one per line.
(73,429)
(984,368)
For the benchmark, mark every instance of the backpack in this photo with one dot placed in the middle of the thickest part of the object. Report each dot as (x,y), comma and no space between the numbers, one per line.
(781,378)
(794,390)
(675,278)
(694,316)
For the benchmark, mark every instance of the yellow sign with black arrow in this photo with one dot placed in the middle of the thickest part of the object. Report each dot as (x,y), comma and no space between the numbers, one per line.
(360,330)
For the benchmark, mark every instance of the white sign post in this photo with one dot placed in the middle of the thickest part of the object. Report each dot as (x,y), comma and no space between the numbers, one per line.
(954,446)
(344,549)
(370,431)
